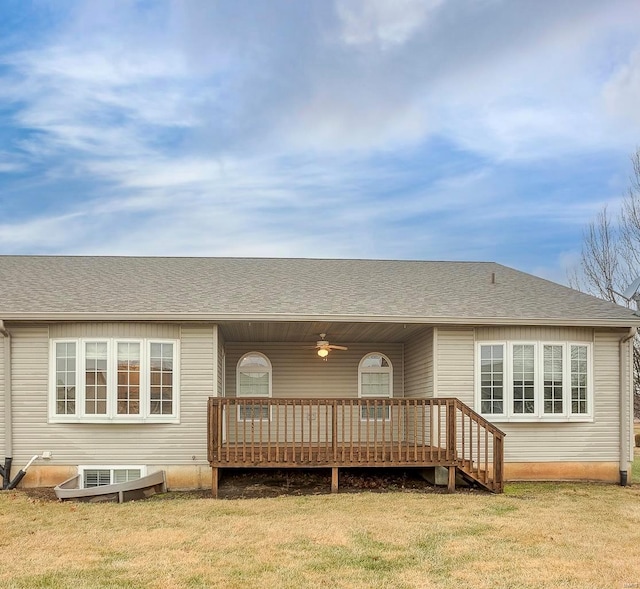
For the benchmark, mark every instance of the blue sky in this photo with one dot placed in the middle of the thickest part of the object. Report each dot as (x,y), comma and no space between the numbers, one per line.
(408,129)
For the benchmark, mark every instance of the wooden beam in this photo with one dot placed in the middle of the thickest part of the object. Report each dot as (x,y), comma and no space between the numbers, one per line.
(214,482)
(451,486)
(334,479)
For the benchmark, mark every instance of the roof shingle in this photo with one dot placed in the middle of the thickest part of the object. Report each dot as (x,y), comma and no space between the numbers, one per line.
(50,286)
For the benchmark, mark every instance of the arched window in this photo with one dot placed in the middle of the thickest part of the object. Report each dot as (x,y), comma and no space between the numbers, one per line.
(254,376)
(253,379)
(375,380)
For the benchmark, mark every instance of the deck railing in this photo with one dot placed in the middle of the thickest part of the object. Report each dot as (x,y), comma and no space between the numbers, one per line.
(259,432)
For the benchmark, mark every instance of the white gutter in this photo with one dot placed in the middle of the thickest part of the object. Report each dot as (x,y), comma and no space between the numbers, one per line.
(8,429)
(49,317)
(626,385)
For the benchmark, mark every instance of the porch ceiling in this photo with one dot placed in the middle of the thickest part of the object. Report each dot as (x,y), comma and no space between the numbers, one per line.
(309,331)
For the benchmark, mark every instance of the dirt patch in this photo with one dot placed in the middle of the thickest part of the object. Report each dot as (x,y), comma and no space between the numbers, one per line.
(256,483)
(273,483)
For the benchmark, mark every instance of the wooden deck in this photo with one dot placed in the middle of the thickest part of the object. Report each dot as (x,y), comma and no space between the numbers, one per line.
(334,433)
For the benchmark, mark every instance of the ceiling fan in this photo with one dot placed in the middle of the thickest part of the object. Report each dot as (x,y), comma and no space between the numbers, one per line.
(323,346)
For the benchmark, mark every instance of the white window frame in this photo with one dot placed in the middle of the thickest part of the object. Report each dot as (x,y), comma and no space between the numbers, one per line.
(239,417)
(539,415)
(381,369)
(111,468)
(111,416)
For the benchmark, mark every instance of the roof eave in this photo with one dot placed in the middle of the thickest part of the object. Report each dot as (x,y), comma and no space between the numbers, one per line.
(351,318)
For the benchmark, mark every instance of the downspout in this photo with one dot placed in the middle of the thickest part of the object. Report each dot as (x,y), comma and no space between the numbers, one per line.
(8,426)
(624,405)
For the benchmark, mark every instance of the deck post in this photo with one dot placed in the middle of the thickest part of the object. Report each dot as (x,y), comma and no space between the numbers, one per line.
(451,430)
(451,486)
(214,482)
(334,479)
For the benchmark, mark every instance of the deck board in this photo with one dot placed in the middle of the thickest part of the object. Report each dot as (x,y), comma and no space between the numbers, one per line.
(321,455)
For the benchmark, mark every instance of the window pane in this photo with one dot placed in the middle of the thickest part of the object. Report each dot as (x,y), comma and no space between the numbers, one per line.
(97,478)
(254,362)
(95,378)
(128,402)
(374,410)
(253,384)
(65,378)
(492,379)
(124,475)
(579,375)
(375,361)
(553,385)
(161,378)
(523,379)
(253,412)
(376,384)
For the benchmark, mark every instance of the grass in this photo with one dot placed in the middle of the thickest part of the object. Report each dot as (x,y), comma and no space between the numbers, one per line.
(535,535)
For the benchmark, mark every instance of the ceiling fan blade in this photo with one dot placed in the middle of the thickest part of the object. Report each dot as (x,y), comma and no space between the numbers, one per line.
(334,347)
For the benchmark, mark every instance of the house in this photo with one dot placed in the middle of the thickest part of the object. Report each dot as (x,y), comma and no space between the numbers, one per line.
(115,367)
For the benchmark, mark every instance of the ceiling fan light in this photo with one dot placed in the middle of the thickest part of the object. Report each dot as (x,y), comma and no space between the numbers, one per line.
(323,352)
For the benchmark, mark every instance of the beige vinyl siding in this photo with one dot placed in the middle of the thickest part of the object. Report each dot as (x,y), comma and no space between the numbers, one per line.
(84,443)
(455,358)
(532,334)
(30,366)
(298,372)
(542,441)
(418,365)
(122,330)
(221,364)
(2,389)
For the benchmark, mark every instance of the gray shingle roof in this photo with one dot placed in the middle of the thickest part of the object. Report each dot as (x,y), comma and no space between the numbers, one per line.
(113,287)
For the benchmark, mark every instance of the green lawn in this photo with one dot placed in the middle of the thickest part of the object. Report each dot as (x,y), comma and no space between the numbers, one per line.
(535,535)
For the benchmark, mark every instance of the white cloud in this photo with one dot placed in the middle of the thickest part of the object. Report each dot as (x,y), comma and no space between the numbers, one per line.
(384,22)
(622,93)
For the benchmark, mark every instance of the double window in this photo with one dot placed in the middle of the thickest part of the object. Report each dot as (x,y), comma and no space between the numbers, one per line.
(105,380)
(534,380)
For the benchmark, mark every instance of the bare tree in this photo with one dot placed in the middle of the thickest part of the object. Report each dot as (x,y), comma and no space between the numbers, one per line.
(610,257)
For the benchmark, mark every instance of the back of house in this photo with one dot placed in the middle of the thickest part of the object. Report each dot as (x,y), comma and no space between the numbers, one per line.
(116,367)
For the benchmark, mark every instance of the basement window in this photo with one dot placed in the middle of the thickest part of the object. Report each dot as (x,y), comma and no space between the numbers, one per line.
(98,476)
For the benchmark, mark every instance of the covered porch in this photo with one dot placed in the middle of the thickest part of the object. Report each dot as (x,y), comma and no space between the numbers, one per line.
(372,404)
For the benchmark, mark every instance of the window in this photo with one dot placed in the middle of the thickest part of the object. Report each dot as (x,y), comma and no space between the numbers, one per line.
(97,476)
(65,378)
(553,373)
(492,379)
(579,379)
(522,380)
(524,398)
(375,380)
(111,380)
(253,380)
